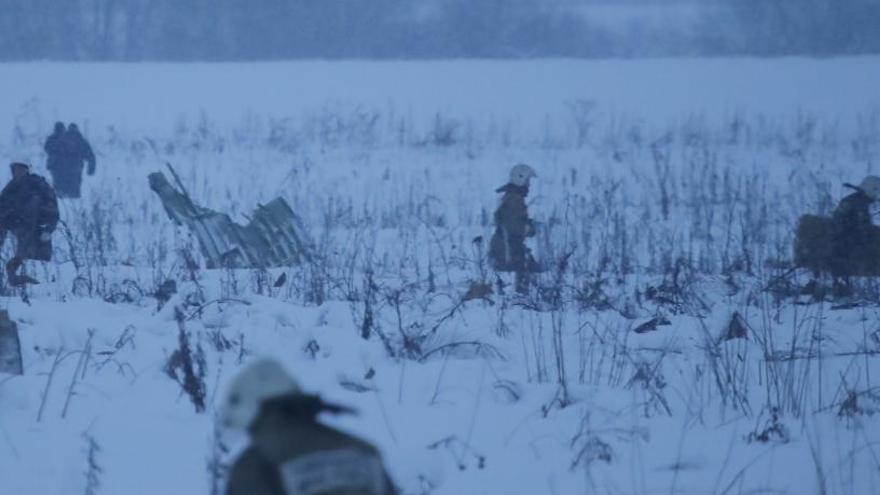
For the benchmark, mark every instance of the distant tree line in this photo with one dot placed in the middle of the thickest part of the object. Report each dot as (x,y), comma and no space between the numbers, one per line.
(794,27)
(133,30)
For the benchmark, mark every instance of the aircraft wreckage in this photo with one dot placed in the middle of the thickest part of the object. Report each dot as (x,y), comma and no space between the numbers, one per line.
(274,236)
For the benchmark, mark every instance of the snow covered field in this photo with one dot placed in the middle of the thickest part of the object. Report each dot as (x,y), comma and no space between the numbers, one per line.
(673,186)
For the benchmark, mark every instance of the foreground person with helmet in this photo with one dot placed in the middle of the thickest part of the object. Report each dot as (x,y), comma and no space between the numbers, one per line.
(507,250)
(291,453)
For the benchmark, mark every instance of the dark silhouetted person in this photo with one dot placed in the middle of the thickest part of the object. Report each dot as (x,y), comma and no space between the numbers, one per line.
(855,240)
(68,153)
(291,453)
(28,209)
(507,250)
(55,149)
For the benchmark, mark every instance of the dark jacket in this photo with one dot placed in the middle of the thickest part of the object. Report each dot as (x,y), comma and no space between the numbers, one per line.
(507,250)
(292,454)
(852,217)
(55,150)
(68,153)
(28,208)
(855,241)
(79,150)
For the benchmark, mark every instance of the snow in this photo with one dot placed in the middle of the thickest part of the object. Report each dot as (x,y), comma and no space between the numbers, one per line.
(392,167)
(148,96)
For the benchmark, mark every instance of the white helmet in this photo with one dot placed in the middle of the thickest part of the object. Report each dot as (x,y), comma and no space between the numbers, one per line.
(521,174)
(871,186)
(261,380)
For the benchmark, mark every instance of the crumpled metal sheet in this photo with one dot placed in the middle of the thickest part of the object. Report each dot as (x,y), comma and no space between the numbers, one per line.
(275,236)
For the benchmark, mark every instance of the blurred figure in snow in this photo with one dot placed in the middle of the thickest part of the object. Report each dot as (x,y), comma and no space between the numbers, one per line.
(54,147)
(507,250)
(68,153)
(291,453)
(28,209)
(855,240)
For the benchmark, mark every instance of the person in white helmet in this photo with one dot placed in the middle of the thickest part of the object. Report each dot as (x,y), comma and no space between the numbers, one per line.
(855,240)
(291,453)
(507,249)
(29,210)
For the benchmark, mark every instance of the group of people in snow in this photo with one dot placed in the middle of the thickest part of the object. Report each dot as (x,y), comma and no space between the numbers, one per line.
(68,153)
(29,205)
(29,210)
(291,452)
(849,241)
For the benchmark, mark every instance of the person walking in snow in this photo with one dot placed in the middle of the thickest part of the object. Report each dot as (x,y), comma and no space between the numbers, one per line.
(28,209)
(507,249)
(291,453)
(68,153)
(855,240)
(54,148)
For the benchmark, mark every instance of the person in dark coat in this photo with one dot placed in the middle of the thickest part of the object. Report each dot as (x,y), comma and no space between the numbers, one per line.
(855,240)
(507,249)
(55,150)
(28,209)
(291,453)
(68,153)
